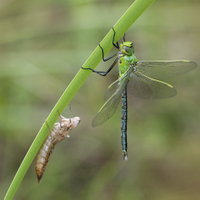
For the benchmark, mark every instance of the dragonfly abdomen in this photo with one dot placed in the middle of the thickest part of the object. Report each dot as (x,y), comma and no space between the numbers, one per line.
(124,124)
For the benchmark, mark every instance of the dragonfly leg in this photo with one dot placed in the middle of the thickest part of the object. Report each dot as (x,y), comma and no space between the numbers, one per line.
(124,37)
(103,73)
(114,44)
(103,58)
(113,41)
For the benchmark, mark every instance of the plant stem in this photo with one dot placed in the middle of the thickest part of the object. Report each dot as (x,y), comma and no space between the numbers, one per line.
(123,24)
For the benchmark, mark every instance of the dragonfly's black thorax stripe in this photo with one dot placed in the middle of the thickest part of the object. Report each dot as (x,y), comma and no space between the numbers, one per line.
(124,122)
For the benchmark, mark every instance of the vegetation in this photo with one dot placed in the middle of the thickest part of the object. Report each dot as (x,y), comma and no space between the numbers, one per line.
(42,46)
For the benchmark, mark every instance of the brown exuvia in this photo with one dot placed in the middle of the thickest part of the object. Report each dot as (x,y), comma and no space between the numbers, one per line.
(58,133)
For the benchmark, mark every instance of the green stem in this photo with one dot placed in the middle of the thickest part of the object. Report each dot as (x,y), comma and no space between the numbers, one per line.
(129,17)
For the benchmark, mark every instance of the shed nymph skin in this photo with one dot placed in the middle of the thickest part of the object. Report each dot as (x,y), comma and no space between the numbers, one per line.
(58,133)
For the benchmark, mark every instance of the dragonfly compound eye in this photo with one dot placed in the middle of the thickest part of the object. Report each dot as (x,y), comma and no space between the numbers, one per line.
(127,48)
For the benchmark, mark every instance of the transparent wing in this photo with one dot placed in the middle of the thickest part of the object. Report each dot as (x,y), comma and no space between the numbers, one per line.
(116,85)
(143,84)
(109,108)
(144,87)
(112,89)
(164,69)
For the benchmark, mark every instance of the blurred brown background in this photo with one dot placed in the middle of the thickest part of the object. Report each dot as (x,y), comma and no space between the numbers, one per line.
(43,43)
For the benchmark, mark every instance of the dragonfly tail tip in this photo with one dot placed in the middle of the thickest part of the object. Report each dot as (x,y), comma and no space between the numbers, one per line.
(125,156)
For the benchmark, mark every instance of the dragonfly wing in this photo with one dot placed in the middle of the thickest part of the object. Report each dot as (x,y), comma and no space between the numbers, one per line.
(144,87)
(109,108)
(112,89)
(164,69)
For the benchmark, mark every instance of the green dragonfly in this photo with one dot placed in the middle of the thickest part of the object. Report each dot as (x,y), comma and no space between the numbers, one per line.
(140,78)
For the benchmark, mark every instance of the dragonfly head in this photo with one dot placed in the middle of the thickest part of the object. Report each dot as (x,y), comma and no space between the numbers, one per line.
(127,48)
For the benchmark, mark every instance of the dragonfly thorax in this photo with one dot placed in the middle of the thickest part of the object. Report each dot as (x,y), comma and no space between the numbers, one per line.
(127,48)
(126,58)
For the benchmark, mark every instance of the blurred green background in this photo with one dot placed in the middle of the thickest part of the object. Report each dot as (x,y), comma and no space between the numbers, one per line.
(43,43)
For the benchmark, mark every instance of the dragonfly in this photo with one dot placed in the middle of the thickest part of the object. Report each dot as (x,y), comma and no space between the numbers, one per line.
(142,79)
